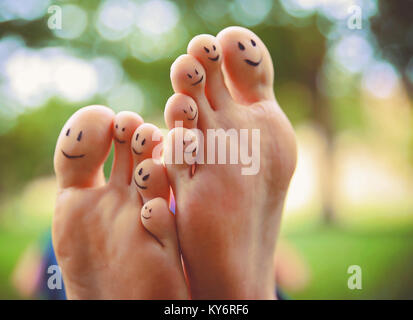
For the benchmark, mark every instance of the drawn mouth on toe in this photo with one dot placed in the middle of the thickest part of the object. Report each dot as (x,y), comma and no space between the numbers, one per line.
(214,59)
(136,152)
(145,217)
(72,157)
(252,63)
(196,113)
(138,185)
(195,83)
(119,141)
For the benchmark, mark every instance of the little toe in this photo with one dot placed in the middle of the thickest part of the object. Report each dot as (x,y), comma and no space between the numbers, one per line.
(245,54)
(151,180)
(160,222)
(181,111)
(124,126)
(146,143)
(188,77)
(83,146)
(208,51)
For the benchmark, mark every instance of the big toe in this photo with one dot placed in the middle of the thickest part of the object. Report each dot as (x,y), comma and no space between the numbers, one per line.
(160,222)
(83,146)
(245,54)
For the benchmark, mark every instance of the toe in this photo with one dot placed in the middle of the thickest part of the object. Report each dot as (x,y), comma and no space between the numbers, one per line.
(188,77)
(181,153)
(124,126)
(181,111)
(83,146)
(206,49)
(146,143)
(160,222)
(151,180)
(245,54)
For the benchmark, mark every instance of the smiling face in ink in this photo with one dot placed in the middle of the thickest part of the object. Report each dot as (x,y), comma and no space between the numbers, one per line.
(187,74)
(79,149)
(141,178)
(144,140)
(151,180)
(245,54)
(181,111)
(252,44)
(124,125)
(146,212)
(207,49)
(83,145)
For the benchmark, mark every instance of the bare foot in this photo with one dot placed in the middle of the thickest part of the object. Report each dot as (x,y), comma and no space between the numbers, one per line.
(109,245)
(228,221)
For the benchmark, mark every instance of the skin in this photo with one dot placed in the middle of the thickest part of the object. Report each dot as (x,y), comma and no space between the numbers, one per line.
(228,222)
(105,248)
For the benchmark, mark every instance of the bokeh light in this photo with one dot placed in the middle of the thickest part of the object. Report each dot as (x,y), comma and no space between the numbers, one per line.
(250,13)
(74,22)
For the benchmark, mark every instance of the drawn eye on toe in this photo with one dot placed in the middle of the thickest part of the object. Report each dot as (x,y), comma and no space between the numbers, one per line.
(253,43)
(67,132)
(206,49)
(146,177)
(79,137)
(241,46)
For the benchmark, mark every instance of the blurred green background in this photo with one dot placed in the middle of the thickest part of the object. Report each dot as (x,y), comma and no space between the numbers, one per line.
(346,85)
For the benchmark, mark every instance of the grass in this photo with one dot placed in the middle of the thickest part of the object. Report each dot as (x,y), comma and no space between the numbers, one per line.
(386,259)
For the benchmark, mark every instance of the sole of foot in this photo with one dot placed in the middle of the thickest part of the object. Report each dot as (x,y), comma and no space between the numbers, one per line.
(228,218)
(115,239)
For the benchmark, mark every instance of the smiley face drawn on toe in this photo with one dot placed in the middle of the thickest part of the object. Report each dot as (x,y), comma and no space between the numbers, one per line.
(142,179)
(214,48)
(148,211)
(196,74)
(138,144)
(78,139)
(190,112)
(249,61)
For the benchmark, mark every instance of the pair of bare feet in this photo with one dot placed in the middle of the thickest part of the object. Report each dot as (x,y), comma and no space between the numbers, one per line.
(119,239)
